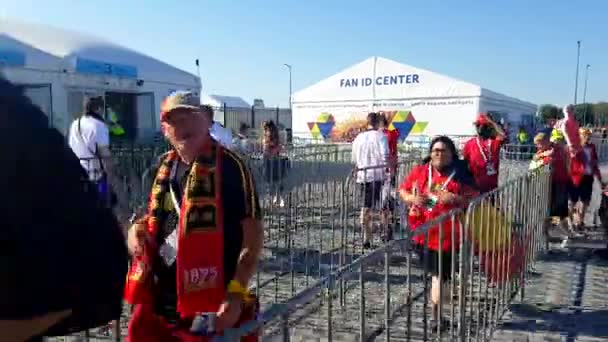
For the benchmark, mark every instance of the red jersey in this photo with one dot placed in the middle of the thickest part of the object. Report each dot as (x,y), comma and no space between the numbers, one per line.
(483,158)
(392,137)
(419,179)
(558,160)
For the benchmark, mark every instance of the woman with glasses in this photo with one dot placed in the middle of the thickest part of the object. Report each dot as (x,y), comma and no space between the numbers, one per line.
(441,183)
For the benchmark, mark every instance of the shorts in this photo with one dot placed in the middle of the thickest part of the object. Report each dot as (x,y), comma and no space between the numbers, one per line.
(371,193)
(559,200)
(432,262)
(583,191)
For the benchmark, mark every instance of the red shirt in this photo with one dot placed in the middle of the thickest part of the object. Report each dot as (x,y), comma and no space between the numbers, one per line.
(478,153)
(558,159)
(392,137)
(418,178)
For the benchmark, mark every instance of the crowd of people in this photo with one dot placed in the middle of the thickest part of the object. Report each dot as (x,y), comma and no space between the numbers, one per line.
(196,248)
(444,180)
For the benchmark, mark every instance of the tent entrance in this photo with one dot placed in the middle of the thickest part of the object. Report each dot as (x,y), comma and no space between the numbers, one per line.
(130,116)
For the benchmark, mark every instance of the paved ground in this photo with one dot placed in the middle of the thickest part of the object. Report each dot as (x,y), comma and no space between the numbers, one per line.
(567,299)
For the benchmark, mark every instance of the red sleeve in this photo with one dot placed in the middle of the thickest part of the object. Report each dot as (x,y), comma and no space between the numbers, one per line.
(498,144)
(412,177)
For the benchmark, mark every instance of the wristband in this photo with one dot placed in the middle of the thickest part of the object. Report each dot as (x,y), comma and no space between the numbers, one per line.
(236,288)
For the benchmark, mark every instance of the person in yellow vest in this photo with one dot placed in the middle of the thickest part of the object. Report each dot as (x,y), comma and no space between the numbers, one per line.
(114,126)
(523,140)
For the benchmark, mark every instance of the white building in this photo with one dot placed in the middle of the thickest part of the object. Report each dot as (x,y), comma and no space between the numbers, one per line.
(418,102)
(58,67)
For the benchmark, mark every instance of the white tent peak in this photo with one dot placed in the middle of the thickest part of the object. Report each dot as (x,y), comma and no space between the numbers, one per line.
(379,78)
(221,100)
(66,45)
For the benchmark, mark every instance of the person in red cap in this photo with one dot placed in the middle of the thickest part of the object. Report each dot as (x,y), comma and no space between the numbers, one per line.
(197,248)
(482,153)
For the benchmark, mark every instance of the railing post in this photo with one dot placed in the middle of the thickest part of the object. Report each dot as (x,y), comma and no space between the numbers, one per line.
(362,302)
(224,109)
(387,293)
(285,327)
(277,116)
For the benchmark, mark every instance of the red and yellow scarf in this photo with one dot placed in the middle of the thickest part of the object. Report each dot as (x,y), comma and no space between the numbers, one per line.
(200,241)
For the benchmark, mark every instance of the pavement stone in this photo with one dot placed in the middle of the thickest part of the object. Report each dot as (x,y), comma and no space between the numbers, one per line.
(568,301)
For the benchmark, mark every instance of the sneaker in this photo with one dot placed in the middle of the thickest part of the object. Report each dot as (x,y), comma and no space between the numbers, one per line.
(565,242)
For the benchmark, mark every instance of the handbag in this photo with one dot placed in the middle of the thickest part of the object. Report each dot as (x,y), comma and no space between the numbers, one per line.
(490,228)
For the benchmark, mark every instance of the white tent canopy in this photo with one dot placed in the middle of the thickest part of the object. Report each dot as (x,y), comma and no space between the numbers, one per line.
(228,101)
(48,48)
(419,101)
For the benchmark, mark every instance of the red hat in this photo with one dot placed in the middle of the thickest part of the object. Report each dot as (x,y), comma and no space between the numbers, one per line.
(482,119)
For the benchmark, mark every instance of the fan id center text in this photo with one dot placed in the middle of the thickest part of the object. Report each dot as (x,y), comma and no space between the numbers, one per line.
(379,81)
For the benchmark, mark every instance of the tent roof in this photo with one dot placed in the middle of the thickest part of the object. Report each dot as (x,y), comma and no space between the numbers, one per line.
(51,48)
(378,78)
(230,101)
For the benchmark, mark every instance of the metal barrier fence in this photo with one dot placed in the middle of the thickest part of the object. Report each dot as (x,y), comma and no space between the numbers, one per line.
(385,294)
(311,223)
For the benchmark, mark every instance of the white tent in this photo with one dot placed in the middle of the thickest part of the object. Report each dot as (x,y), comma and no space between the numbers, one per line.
(67,64)
(417,102)
(223,100)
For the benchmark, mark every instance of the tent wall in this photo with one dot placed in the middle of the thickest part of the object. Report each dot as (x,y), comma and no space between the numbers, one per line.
(514,112)
(68,89)
(412,118)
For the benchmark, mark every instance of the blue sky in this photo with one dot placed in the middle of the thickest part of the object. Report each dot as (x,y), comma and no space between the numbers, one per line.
(525,49)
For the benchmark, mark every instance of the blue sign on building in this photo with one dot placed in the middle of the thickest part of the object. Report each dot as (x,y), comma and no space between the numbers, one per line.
(89,66)
(12,58)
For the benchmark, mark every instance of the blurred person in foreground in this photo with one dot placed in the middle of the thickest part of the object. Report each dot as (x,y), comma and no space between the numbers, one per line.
(550,151)
(63,261)
(441,183)
(198,247)
(482,153)
(370,156)
(580,192)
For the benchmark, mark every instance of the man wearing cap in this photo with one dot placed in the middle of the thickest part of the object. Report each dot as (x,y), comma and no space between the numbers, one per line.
(198,246)
(482,153)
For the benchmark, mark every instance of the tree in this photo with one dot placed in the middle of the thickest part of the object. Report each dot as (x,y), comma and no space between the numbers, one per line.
(549,111)
(584,114)
(600,111)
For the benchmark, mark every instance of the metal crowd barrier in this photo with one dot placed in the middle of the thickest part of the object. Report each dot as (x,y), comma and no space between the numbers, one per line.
(385,295)
(312,233)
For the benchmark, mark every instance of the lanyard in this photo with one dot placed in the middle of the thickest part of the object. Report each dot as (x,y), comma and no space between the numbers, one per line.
(176,205)
(483,154)
(430,180)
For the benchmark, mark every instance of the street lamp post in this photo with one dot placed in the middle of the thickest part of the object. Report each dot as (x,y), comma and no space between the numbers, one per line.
(289,68)
(585,94)
(578,55)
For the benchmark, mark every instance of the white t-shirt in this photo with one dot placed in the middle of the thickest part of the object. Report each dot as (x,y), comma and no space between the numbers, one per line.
(222,135)
(84,143)
(370,149)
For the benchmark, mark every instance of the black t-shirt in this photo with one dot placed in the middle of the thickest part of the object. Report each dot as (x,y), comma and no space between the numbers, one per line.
(240,201)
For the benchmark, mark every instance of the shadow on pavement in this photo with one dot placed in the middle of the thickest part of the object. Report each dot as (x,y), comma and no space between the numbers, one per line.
(568,320)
